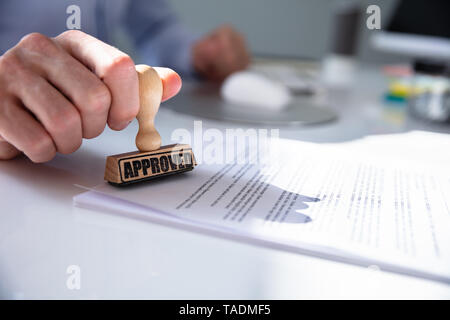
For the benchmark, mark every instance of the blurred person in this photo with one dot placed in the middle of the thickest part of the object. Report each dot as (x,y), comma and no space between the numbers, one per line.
(58,87)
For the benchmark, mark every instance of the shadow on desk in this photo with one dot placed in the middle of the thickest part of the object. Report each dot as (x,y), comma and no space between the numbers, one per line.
(57,177)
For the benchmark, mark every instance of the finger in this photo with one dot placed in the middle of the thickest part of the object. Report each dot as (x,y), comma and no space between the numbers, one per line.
(201,56)
(234,48)
(19,128)
(242,51)
(7,150)
(222,57)
(171,82)
(209,59)
(83,88)
(58,116)
(113,67)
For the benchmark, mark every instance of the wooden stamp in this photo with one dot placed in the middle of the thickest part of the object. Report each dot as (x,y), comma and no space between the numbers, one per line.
(152,160)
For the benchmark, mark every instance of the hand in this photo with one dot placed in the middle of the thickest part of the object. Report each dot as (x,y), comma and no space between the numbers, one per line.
(220,53)
(56,91)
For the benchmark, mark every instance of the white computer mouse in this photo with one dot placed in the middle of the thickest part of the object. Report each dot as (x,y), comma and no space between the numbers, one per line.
(248,88)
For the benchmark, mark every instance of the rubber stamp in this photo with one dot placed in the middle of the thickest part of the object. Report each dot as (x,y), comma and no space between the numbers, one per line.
(152,160)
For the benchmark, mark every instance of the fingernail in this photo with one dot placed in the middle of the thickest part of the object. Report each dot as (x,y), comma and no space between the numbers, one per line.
(126,124)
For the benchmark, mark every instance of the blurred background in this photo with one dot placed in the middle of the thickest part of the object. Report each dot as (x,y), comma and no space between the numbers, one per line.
(402,62)
(293,28)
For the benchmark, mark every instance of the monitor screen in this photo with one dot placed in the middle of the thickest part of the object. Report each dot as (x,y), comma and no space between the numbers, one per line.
(417,28)
(421,17)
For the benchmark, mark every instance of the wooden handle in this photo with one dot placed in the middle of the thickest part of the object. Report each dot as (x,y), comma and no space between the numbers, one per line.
(150,94)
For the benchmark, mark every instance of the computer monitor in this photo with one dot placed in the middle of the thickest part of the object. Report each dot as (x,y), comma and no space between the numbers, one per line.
(418,28)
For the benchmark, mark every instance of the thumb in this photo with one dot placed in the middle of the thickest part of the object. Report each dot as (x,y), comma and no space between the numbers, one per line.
(171,82)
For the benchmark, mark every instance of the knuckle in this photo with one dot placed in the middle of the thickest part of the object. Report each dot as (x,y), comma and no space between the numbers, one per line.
(99,99)
(70,34)
(7,108)
(32,38)
(121,65)
(10,64)
(65,120)
(37,42)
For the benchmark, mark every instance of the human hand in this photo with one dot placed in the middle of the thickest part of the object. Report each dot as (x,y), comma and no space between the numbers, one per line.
(56,91)
(220,53)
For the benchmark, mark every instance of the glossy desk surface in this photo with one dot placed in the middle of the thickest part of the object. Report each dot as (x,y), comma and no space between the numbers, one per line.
(42,233)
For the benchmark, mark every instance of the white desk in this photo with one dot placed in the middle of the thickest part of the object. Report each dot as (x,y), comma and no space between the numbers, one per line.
(41,233)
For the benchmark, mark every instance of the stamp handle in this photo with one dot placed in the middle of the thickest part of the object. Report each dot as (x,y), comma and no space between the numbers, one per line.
(150,94)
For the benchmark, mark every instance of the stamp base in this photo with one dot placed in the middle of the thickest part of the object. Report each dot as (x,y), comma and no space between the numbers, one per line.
(132,167)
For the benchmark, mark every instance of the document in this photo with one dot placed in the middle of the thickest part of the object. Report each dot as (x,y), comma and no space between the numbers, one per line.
(380,201)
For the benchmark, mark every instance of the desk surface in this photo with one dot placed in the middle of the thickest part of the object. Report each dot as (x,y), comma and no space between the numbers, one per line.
(41,233)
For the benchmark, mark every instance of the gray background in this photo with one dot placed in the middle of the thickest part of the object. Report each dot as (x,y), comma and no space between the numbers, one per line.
(299,28)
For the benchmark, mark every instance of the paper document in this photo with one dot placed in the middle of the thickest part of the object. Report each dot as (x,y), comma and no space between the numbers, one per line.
(381,200)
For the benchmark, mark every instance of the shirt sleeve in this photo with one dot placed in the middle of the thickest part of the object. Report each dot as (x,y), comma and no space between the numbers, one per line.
(158,36)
